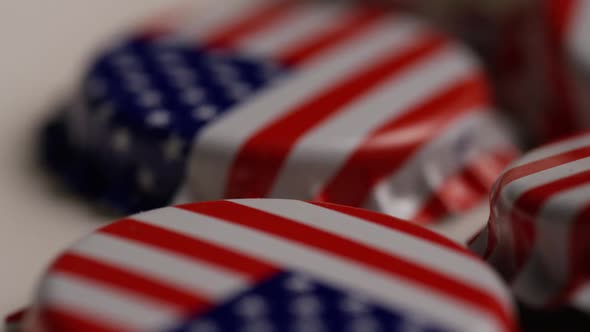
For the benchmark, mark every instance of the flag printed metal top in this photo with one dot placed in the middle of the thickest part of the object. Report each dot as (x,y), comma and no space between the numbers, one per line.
(537,236)
(268,265)
(570,21)
(304,100)
(567,63)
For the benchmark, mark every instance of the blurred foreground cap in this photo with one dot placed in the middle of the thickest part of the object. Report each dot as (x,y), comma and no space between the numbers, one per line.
(539,230)
(328,101)
(268,265)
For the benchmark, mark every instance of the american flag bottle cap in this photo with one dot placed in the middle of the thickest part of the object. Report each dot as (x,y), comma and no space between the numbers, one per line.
(561,36)
(538,232)
(322,101)
(267,265)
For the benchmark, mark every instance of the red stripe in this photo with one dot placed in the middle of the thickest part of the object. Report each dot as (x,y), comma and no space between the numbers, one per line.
(360,254)
(346,29)
(56,320)
(250,24)
(459,193)
(161,238)
(117,277)
(539,166)
(491,166)
(526,208)
(380,154)
(262,156)
(397,225)
(560,14)
(466,189)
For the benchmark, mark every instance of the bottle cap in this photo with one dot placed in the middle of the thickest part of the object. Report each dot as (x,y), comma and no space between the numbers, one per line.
(538,232)
(323,101)
(268,265)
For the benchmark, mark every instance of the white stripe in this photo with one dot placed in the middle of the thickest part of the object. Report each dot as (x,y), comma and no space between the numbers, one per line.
(98,303)
(581,298)
(578,37)
(300,25)
(215,148)
(430,255)
(547,270)
(326,148)
(514,190)
(386,289)
(408,188)
(199,277)
(553,149)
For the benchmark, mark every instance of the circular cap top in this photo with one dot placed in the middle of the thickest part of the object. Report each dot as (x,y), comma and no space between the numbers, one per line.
(539,227)
(268,265)
(323,101)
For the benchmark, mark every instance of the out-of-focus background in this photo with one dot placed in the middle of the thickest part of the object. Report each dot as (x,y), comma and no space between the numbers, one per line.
(44,45)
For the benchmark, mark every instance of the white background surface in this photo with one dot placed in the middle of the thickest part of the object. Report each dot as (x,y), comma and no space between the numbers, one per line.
(44,45)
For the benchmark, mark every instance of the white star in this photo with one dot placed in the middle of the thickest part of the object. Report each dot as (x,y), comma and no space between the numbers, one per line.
(307,305)
(180,71)
(169,58)
(251,307)
(150,98)
(121,140)
(136,81)
(173,148)
(225,74)
(239,90)
(183,81)
(193,95)
(353,305)
(181,77)
(298,284)
(159,118)
(205,112)
(145,179)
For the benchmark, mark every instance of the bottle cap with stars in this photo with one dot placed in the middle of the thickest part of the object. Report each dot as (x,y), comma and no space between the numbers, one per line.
(329,101)
(267,265)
